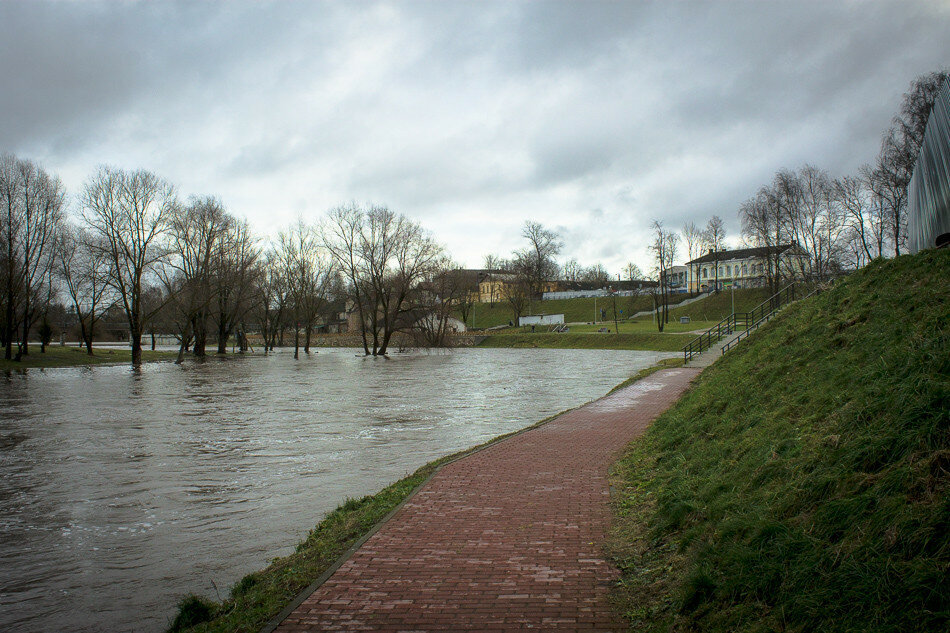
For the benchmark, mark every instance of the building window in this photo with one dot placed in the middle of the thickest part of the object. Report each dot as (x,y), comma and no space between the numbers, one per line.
(705,273)
(721,271)
(728,270)
(745,270)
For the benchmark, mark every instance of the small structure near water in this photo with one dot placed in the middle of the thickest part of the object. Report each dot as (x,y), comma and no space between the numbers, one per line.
(541,319)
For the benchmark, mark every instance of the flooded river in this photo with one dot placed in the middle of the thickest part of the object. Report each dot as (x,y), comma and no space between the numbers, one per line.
(120,491)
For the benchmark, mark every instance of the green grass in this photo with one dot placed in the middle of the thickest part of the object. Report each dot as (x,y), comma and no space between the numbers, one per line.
(574,310)
(716,307)
(653,341)
(59,356)
(803,483)
(645,326)
(711,309)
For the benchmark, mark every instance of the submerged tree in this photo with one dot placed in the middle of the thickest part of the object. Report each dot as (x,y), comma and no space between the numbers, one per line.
(128,212)
(384,257)
(32,204)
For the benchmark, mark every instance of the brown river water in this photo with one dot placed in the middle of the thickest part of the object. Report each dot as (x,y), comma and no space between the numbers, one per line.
(121,491)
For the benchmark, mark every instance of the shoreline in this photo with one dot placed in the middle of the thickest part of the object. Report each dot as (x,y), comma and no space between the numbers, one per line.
(60,356)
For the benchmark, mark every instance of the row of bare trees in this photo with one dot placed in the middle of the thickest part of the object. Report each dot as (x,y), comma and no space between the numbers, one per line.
(33,204)
(194,270)
(844,222)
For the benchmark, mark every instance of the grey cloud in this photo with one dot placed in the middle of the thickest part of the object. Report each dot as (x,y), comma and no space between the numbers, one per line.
(594,117)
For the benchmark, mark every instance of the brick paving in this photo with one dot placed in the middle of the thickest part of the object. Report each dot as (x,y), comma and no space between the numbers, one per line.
(509,538)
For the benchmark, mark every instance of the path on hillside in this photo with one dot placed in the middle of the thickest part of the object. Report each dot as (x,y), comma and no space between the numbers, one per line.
(508,538)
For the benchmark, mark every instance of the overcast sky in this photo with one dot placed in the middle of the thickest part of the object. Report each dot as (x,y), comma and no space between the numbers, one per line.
(470,117)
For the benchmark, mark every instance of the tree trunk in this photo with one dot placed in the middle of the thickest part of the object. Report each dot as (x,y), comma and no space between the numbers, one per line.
(153,341)
(136,336)
(306,345)
(296,341)
(10,332)
(223,335)
(201,338)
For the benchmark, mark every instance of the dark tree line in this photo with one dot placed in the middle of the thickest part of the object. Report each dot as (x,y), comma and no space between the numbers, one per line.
(844,222)
(195,271)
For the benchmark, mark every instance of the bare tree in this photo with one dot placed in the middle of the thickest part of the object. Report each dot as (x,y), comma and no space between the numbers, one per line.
(128,213)
(858,206)
(695,239)
(493,263)
(84,273)
(538,259)
(664,253)
(195,234)
(271,296)
(235,275)
(596,274)
(714,237)
(440,296)
(572,270)
(517,289)
(309,276)
(384,257)
(814,223)
(632,271)
(762,227)
(32,203)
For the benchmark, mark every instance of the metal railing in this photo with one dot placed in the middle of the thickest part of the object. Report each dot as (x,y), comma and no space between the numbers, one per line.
(765,311)
(739,320)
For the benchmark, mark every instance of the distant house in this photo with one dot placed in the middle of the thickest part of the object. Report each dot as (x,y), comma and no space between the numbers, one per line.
(742,268)
(541,319)
(677,278)
(493,284)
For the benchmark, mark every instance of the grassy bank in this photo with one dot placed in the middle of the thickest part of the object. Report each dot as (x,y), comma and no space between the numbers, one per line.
(260,596)
(804,482)
(59,356)
(718,306)
(574,310)
(653,341)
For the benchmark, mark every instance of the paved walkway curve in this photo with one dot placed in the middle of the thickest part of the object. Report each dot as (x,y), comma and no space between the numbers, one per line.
(509,538)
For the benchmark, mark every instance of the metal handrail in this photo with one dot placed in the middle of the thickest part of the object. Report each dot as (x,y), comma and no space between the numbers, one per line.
(705,340)
(790,295)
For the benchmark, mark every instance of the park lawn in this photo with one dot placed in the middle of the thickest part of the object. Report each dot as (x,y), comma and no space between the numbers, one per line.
(60,356)
(718,306)
(640,326)
(574,310)
(803,482)
(653,341)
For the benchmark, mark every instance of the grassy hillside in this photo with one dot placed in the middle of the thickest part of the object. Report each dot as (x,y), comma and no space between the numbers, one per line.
(574,310)
(718,306)
(803,484)
(640,341)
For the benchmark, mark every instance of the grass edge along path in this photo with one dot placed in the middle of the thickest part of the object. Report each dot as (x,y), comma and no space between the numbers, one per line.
(803,483)
(265,597)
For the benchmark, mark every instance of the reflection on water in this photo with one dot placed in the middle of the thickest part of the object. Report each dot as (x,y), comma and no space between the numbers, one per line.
(120,491)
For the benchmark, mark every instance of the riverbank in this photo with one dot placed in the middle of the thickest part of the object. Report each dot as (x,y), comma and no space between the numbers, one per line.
(802,484)
(653,341)
(62,356)
(258,597)
(516,339)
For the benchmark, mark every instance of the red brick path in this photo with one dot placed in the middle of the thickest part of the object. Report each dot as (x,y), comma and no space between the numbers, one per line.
(506,539)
